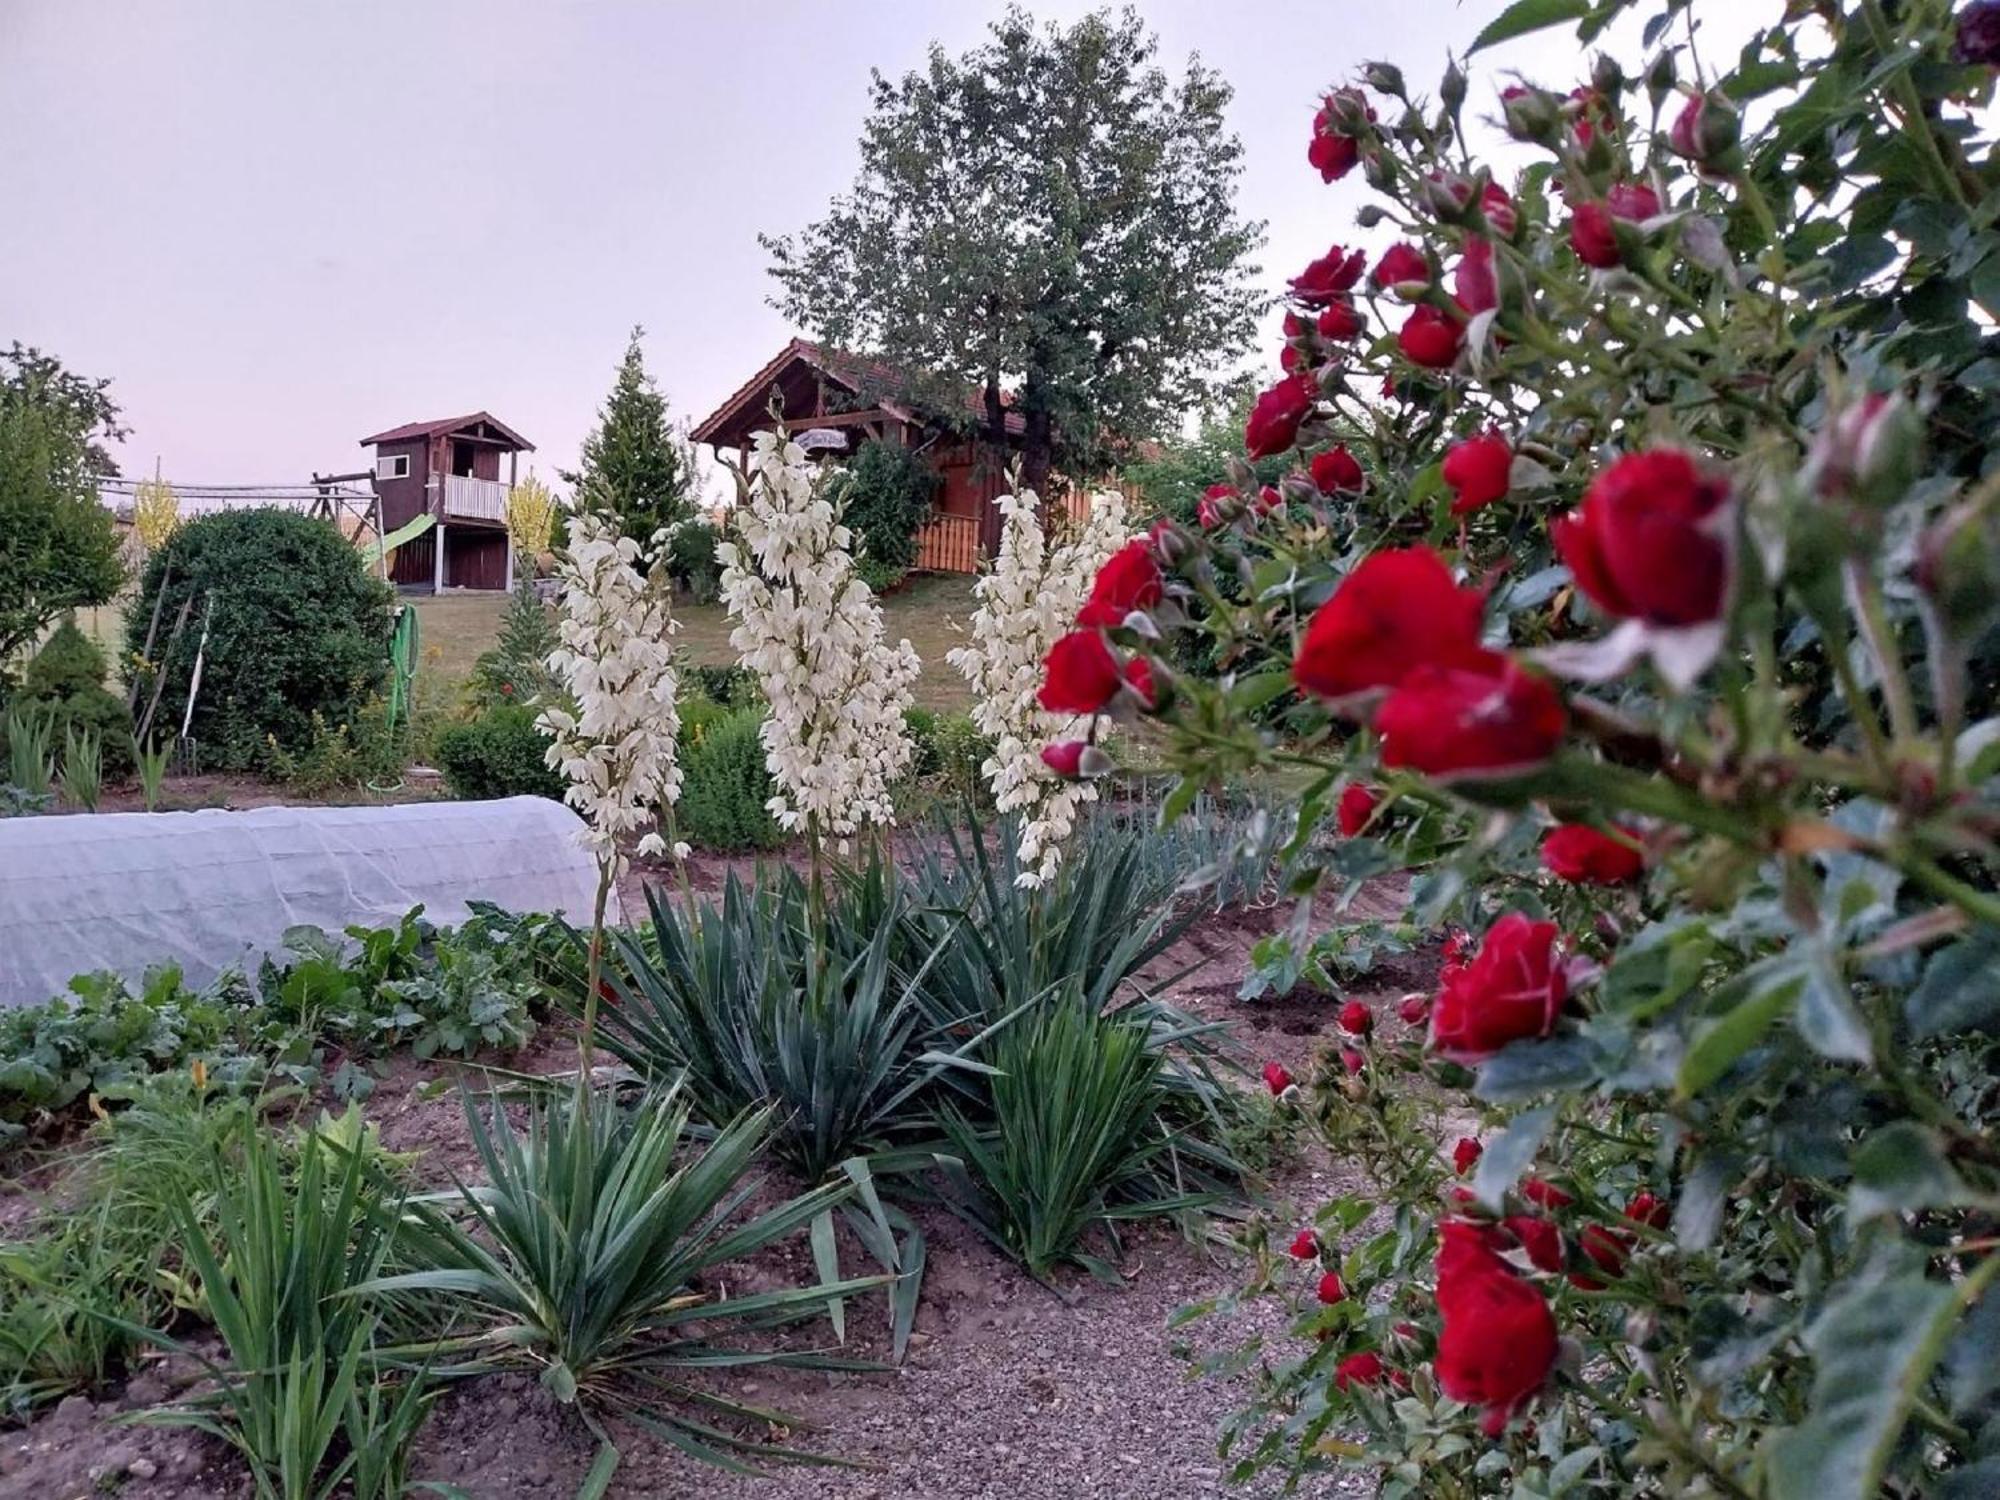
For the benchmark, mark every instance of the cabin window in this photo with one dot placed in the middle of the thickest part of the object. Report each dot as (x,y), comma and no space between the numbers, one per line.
(392,466)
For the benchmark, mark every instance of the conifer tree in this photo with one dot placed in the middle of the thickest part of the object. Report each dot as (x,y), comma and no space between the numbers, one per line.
(633,467)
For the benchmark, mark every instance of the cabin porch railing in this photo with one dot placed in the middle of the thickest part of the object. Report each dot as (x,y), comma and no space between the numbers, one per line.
(474,499)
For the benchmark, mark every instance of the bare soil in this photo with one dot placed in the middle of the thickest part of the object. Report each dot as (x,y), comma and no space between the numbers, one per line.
(1009,1389)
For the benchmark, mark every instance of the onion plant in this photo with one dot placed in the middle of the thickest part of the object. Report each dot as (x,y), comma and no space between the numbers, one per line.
(83,767)
(30,763)
(592,1253)
(151,760)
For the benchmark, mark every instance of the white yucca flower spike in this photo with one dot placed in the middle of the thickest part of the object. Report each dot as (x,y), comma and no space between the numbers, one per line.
(835,738)
(1027,602)
(617,747)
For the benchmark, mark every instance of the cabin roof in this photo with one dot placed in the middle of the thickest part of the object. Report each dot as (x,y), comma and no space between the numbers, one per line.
(742,411)
(445,425)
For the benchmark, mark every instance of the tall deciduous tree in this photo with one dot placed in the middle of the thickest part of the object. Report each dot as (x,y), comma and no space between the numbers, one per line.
(58,547)
(1050,213)
(632,465)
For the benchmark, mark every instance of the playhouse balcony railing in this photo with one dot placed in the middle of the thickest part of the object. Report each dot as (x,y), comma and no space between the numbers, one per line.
(474,499)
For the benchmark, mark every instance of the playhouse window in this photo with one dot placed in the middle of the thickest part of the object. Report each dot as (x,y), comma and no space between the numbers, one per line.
(393,466)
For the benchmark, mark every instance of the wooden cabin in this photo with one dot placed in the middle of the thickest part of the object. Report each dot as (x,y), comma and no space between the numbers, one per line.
(452,471)
(863,398)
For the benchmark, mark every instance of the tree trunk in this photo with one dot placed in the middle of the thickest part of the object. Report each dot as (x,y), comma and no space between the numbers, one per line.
(1038,436)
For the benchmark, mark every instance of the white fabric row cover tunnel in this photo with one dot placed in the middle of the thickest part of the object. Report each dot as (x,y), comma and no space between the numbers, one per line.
(213,890)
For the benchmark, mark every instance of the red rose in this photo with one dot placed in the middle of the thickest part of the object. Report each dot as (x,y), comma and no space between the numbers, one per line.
(1544,1194)
(1430,338)
(1304,1246)
(1497,1345)
(1358,1369)
(1397,611)
(1403,267)
(1065,758)
(1330,1289)
(1649,1209)
(1499,210)
(1139,679)
(1512,989)
(1356,1019)
(1466,1251)
(1351,1061)
(1335,148)
(1129,580)
(1648,541)
(1336,469)
(1539,1239)
(506,689)
(1474,283)
(1490,718)
(1268,501)
(1415,1009)
(1609,1248)
(1274,420)
(1325,280)
(1465,1155)
(1340,320)
(1476,468)
(1578,853)
(1591,234)
(1080,675)
(1978,37)
(1357,806)
(1277,1078)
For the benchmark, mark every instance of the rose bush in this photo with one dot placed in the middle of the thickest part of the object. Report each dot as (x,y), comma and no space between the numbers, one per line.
(1684,713)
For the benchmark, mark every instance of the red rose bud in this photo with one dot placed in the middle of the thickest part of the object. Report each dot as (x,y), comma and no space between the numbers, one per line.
(1330,1289)
(1497,1346)
(1274,420)
(1404,270)
(1336,470)
(1356,1019)
(1458,946)
(1958,569)
(1465,1155)
(1277,1078)
(1706,131)
(1650,540)
(1414,1009)
(1079,675)
(1351,1061)
(1129,580)
(1593,233)
(1583,855)
(1477,470)
(1219,505)
(1358,1369)
(1340,320)
(1978,40)
(1430,338)
(1397,611)
(1540,1239)
(1065,758)
(1499,210)
(1139,682)
(1512,989)
(1545,1194)
(1357,806)
(1532,115)
(1304,1246)
(1869,452)
(1473,282)
(1269,501)
(1605,1248)
(1447,195)
(1329,277)
(1342,118)
(1488,720)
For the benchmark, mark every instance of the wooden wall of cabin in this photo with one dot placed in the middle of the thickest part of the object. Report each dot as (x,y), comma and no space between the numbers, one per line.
(402,499)
(474,558)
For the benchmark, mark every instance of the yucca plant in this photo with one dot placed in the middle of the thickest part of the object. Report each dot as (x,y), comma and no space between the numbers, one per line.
(1078,1141)
(590,1256)
(283,1293)
(151,761)
(83,767)
(30,761)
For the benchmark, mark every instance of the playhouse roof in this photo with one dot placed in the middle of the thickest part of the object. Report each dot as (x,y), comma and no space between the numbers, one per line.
(743,410)
(450,424)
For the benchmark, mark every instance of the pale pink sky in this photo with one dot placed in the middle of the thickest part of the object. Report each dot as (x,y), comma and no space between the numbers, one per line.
(279,226)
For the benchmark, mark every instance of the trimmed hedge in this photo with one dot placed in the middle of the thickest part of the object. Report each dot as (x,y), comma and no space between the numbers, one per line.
(498,754)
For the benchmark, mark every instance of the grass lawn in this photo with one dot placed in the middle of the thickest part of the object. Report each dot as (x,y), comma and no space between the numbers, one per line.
(453,629)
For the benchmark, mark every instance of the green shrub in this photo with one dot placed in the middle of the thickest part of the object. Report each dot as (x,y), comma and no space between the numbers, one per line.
(731,686)
(69,663)
(499,754)
(691,559)
(515,672)
(63,690)
(887,496)
(725,785)
(299,627)
(342,756)
(949,752)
